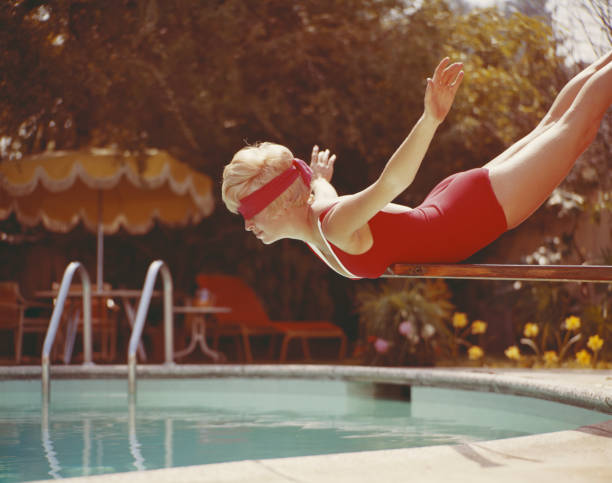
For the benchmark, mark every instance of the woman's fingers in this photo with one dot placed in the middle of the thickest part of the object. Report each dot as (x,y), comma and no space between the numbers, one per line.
(447,75)
(321,158)
(438,73)
(315,155)
(457,81)
(324,157)
(451,72)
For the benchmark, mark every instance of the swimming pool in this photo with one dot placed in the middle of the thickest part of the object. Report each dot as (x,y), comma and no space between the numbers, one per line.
(91,428)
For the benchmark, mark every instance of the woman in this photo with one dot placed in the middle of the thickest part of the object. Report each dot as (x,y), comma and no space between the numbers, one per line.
(360,235)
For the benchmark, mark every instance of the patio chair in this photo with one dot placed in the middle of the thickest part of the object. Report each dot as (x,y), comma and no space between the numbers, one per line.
(16,315)
(248,318)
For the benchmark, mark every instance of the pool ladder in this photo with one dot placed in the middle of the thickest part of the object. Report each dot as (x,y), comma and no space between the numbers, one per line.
(156,267)
(143,307)
(56,317)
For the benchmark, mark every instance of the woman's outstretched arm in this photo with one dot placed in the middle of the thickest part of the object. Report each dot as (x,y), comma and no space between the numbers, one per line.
(354,211)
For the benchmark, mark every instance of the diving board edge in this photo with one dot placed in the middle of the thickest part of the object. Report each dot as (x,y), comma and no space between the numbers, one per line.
(534,273)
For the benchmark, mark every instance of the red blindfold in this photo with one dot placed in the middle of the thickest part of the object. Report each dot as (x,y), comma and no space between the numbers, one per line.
(255,202)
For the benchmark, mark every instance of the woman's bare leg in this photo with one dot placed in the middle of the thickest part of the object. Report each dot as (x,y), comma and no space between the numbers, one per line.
(527,177)
(562,103)
(567,95)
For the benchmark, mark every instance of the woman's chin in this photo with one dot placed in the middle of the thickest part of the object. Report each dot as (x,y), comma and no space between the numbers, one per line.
(268,241)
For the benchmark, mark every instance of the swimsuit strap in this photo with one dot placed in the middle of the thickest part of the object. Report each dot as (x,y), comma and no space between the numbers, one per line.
(315,249)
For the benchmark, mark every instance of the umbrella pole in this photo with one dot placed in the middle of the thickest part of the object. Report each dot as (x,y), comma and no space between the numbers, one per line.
(100,255)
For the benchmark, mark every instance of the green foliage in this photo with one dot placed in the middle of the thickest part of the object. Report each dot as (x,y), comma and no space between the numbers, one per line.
(548,305)
(503,78)
(422,305)
(199,78)
(512,75)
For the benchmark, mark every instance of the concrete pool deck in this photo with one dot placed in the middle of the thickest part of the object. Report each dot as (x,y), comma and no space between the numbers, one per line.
(583,454)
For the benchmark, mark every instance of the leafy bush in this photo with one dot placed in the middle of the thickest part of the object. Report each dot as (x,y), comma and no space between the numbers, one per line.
(405,321)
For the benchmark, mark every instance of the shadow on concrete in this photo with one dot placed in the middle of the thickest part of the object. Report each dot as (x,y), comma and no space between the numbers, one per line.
(600,429)
(470,452)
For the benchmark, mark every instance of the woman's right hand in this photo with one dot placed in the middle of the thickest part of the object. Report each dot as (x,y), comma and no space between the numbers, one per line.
(322,164)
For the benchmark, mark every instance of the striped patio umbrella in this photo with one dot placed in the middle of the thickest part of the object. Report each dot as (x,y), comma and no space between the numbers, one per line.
(105,190)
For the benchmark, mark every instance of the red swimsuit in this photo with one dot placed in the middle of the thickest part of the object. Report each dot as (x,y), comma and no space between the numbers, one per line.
(460,216)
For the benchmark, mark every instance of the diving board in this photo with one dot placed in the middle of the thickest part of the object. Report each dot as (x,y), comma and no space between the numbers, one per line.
(533,273)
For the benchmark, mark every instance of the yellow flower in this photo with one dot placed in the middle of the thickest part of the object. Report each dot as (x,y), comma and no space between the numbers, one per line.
(459,320)
(513,352)
(583,357)
(595,342)
(479,327)
(475,353)
(572,323)
(550,358)
(531,329)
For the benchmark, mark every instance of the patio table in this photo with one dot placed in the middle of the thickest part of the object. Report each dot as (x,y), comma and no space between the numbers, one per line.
(198,329)
(128,298)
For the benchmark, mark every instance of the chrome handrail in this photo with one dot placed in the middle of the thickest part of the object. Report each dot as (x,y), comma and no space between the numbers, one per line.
(141,313)
(56,317)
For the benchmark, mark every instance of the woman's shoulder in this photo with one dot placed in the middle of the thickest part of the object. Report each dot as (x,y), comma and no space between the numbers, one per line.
(395,208)
(323,205)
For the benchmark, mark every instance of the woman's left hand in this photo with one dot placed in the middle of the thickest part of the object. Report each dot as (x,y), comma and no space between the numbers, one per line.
(322,164)
(441,90)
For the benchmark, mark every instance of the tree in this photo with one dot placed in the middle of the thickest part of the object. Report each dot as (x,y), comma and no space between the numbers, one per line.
(589,20)
(200,78)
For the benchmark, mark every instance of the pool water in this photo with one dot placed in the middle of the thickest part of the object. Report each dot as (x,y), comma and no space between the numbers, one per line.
(90,428)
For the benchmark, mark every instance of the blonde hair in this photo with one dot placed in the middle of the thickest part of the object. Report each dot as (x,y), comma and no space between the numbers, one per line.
(254,166)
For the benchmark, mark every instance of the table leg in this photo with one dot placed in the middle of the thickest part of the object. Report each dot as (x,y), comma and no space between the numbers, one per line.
(201,336)
(192,342)
(198,337)
(71,332)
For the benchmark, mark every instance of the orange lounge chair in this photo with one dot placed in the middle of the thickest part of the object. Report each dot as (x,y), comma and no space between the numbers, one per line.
(248,318)
(309,330)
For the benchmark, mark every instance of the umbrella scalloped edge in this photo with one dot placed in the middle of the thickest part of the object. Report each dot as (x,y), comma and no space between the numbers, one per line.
(58,171)
(118,222)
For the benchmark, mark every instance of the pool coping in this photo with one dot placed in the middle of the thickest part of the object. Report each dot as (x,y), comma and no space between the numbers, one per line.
(579,455)
(589,389)
(583,454)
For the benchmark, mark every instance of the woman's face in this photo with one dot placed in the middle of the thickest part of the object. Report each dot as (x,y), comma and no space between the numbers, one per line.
(266,227)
